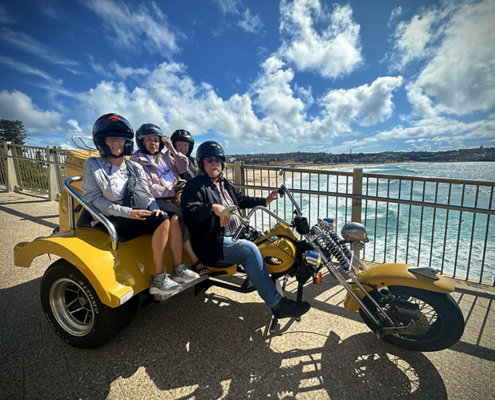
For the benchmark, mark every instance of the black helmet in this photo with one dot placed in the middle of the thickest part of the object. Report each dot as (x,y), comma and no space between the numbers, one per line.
(112,125)
(149,129)
(209,148)
(181,135)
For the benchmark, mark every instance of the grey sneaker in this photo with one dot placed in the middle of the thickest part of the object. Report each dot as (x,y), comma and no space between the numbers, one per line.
(162,284)
(182,274)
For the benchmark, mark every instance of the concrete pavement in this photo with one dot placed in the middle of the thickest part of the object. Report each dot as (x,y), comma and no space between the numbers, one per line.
(216,345)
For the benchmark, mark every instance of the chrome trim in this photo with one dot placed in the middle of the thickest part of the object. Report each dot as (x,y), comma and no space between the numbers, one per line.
(96,214)
(312,258)
(428,272)
(82,144)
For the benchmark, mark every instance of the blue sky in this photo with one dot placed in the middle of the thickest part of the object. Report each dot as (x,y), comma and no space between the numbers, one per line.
(259,76)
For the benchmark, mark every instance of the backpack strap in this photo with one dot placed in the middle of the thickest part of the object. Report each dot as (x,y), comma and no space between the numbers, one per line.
(131,168)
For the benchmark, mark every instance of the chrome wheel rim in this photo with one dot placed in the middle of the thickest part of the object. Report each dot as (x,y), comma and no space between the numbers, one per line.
(71,307)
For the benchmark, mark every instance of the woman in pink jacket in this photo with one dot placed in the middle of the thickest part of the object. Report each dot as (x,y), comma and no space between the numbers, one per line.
(162,171)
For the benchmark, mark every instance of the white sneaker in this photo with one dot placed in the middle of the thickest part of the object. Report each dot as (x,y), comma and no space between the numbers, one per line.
(162,284)
(182,274)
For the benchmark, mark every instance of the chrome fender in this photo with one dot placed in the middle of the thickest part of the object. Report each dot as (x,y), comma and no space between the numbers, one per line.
(116,276)
(393,274)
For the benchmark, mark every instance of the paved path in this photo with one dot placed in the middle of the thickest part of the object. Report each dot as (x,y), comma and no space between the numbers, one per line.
(215,346)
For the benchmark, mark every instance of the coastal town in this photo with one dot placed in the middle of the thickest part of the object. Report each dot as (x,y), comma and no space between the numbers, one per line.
(301,158)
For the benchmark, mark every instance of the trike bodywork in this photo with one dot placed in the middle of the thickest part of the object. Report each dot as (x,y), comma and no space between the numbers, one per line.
(117,271)
(90,294)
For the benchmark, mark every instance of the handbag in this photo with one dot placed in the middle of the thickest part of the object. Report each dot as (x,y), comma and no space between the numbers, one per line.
(135,195)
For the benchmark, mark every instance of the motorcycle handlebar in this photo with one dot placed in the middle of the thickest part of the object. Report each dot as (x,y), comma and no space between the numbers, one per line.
(283,190)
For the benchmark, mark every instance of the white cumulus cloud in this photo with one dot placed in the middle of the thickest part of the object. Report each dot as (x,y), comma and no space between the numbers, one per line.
(366,105)
(318,39)
(453,46)
(18,106)
(461,76)
(275,96)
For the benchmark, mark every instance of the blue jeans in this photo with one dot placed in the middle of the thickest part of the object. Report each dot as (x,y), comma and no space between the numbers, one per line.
(246,253)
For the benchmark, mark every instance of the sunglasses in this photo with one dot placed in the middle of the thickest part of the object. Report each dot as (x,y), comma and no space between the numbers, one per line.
(209,160)
(114,139)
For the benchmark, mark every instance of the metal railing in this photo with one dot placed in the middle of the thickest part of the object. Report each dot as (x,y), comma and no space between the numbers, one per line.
(446,224)
(442,223)
(74,194)
(39,169)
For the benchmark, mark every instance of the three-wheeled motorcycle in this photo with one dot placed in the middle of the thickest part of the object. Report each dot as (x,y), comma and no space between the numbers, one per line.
(91,292)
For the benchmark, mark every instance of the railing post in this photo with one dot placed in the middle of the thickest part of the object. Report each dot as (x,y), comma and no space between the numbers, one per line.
(238,175)
(53,183)
(239,179)
(357,188)
(12,178)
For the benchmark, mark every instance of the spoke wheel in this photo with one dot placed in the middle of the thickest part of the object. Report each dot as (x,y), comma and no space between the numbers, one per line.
(438,321)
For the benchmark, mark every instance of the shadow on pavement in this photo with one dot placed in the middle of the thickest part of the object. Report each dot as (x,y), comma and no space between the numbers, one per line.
(203,347)
(363,367)
(38,220)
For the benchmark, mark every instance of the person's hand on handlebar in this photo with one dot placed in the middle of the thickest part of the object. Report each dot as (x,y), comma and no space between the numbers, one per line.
(217,209)
(272,196)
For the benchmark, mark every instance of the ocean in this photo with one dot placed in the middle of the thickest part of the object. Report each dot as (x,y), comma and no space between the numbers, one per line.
(443,238)
(480,171)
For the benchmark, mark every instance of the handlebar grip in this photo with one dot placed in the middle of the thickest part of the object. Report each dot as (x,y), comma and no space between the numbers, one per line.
(281,192)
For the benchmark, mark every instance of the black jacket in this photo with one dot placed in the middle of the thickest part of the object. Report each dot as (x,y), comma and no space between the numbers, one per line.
(191,170)
(205,231)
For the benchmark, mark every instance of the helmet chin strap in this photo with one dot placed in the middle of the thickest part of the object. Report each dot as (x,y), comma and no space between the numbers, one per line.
(145,151)
(114,156)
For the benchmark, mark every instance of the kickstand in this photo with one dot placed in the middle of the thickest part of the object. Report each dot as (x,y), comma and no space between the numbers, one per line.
(274,322)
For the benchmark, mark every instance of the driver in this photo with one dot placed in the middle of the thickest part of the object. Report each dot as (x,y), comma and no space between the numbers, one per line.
(203,199)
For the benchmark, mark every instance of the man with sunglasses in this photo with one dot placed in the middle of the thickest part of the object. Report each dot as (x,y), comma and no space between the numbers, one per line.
(203,199)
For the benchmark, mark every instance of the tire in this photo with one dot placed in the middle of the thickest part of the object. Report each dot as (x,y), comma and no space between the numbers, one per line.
(75,312)
(439,320)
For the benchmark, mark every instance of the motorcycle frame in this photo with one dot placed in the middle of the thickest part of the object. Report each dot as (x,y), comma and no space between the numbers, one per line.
(331,268)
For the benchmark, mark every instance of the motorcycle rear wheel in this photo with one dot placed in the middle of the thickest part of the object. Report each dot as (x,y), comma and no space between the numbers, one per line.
(74,311)
(438,319)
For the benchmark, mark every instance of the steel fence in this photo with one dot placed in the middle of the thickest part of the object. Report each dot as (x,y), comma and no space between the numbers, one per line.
(442,223)
(34,168)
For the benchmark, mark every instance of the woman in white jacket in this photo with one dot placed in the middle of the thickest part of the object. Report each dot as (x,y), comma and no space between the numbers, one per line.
(104,182)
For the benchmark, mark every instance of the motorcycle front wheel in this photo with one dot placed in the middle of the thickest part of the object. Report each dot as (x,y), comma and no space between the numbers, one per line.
(438,320)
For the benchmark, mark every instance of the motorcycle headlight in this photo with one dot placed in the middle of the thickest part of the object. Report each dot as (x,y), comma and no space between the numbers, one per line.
(355,232)
(312,258)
